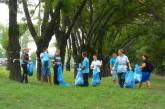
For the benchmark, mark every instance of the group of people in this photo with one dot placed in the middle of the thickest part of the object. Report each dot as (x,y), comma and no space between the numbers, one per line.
(119,66)
(45,66)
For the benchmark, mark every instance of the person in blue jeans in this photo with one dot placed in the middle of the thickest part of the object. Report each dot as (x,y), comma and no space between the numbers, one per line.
(45,65)
(113,71)
(146,69)
(122,63)
(85,69)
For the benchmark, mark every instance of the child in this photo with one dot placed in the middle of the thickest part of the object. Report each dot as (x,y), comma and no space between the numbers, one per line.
(95,66)
(24,65)
(45,65)
(58,71)
(113,71)
(85,69)
(57,62)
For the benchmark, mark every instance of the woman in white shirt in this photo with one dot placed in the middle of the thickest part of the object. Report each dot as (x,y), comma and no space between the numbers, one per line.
(122,63)
(95,66)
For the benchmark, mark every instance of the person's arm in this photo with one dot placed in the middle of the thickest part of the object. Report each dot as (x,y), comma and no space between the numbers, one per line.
(100,64)
(83,65)
(143,65)
(115,65)
(92,66)
(129,65)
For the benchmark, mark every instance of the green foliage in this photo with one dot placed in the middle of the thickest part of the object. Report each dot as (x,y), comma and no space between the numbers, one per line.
(70,6)
(4,40)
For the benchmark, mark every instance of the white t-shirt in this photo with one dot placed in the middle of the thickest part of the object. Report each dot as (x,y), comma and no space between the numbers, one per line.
(121,63)
(96,65)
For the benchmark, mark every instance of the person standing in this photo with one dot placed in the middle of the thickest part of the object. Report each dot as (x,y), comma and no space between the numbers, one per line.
(122,64)
(57,61)
(25,60)
(146,69)
(113,71)
(95,66)
(85,69)
(45,65)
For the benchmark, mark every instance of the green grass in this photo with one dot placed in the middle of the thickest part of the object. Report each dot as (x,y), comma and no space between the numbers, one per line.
(14,95)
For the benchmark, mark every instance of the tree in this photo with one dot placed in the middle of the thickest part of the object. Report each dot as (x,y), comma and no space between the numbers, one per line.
(13,49)
(50,27)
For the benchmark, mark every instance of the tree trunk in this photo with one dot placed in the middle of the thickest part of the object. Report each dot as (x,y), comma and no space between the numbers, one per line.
(61,44)
(38,52)
(69,53)
(13,45)
(39,65)
(68,61)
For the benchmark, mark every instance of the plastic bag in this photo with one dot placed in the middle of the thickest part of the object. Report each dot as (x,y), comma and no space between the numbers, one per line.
(30,67)
(79,81)
(129,80)
(60,77)
(137,74)
(96,78)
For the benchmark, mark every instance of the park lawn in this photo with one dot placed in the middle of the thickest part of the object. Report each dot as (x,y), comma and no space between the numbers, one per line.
(35,95)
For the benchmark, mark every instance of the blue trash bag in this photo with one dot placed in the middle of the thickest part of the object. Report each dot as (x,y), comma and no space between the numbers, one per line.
(137,74)
(79,81)
(60,77)
(95,78)
(129,80)
(30,68)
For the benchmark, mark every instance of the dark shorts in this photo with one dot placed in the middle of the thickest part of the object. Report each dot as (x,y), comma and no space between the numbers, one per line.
(145,76)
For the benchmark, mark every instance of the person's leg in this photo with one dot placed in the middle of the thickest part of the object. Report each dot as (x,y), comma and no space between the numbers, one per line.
(26,74)
(122,79)
(140,85)
(114,76)
(49,76)
(149,84)
(100,75)
(119,79)
(85,77)
(55,80)
(148,81)
(23,75)
(49,80)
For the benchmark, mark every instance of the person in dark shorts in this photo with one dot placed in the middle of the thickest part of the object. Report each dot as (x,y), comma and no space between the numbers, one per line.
(25,60)
(146,69)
